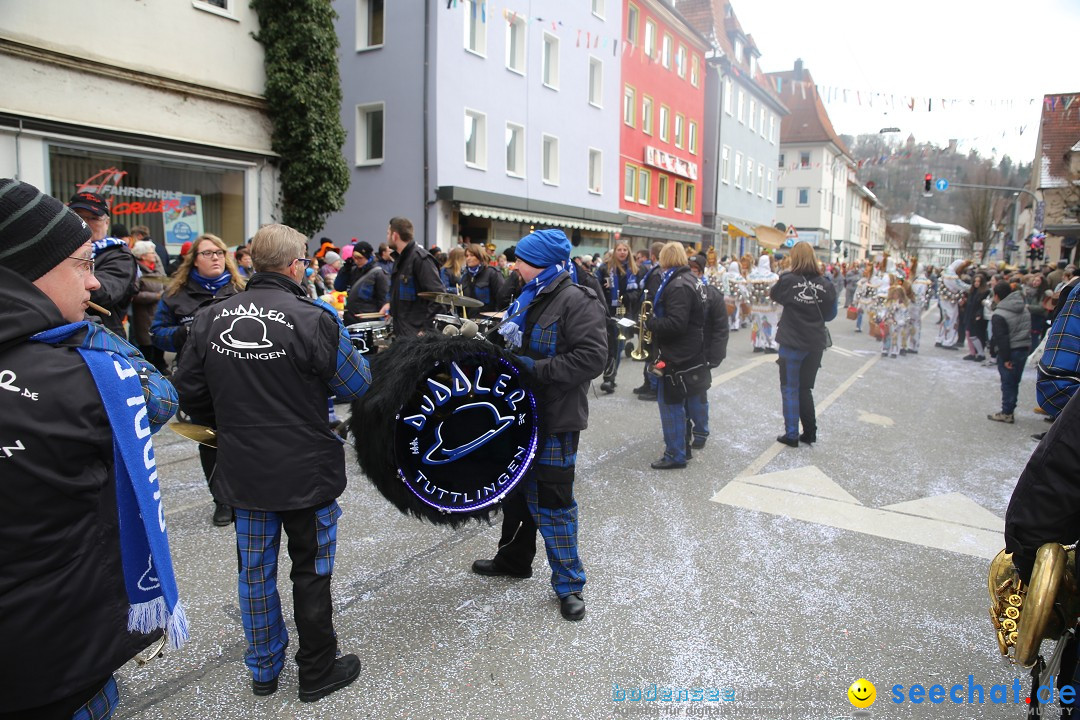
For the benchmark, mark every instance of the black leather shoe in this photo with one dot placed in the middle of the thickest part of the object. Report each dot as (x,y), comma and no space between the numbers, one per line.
(264,688)
(790,442)
(697,444)
(649,395)
(572,607)
(808,438)
(489,568)
(666,464)
(607,387)
(223,514)
(643,388)
(346,669)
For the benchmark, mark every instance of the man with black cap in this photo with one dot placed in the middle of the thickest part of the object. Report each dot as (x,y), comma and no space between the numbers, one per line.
(559,329)
(369,285)
(79,501)
(114,265)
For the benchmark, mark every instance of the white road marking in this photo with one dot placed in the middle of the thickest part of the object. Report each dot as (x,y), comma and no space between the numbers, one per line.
(841,351)
(873,419)
(731,374)
(809,495)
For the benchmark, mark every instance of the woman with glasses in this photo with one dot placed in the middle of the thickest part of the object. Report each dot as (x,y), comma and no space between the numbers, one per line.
(207,272)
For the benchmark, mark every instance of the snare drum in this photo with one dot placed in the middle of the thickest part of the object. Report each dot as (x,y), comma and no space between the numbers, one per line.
(441,321)
(366,337)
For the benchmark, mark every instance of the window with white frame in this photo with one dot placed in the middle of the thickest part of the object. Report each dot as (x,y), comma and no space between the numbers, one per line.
(217,7)
(665,52)
(551,61)
(515,150)
(804,159)
(643,178)
(369,134)
(695,70)
(772,128)
(650,38)
(596,171)
(680,122)
(632,24)
(476,139)
(596,82)
(804,197)
(370,18)
(761,180)
(664,122)
(629,181)
(727,95)
(475,27)
(780,161)
(646,115)
(515,44)
(691,138)
(769,185)
(738,51)
(753,115)
(598,8)
(550,147)
(749,175)
(680,62)
(661,191)
(779,197)
(741,106)
(761,121)
(725,165)
(738,169)
(628,105)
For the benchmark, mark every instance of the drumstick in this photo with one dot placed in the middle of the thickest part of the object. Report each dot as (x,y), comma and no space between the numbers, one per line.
(98,309)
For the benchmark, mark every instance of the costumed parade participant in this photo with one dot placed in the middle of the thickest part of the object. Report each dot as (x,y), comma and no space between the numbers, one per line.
(894,317)
(736,294)
(952,289)
(86,576)
(557,326)
(678,329)
(809,302)
(919,301)
(619,276)
(205,273)
(279,463)
(764,313)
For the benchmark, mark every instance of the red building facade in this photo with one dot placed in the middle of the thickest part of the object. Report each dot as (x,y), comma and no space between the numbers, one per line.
(662,133)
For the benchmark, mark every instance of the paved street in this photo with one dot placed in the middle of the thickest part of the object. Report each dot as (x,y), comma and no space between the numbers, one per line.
(772,575)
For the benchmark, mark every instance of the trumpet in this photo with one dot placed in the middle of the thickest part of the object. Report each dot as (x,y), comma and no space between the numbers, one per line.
(620,312)
(644,334)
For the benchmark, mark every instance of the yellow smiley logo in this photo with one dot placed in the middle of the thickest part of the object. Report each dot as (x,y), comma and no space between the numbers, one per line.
(862,693)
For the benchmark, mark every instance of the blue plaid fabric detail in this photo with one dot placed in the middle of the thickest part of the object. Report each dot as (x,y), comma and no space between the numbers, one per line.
(789,388)
(258,537)
(159,393)
(326,534)
(542,340)
(558,527)
(673,423)
(406,289)
(559,450)
(100,706)
(697,411)
(352,374)
(1061,356)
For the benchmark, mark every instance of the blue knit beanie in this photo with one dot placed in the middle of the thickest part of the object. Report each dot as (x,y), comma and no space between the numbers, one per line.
(544,248)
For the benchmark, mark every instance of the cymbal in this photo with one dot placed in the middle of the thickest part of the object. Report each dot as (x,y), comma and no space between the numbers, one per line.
(450,299)
(199,433)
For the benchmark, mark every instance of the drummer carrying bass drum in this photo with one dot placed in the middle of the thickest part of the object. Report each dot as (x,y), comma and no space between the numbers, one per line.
(558,328)
(415,271)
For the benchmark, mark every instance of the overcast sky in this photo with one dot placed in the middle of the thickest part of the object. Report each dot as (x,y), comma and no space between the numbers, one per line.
(986,50)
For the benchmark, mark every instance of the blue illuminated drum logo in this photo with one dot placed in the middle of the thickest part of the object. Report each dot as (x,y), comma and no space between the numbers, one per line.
(467,436)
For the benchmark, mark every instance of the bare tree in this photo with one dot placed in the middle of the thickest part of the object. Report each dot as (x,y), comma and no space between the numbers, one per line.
(978,211)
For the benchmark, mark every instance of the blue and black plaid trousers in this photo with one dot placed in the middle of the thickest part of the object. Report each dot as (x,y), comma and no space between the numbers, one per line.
(101,706)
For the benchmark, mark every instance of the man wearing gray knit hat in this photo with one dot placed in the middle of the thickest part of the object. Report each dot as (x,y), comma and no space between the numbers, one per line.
(77,407)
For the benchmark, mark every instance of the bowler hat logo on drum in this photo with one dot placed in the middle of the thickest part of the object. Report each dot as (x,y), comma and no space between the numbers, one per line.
(468,435)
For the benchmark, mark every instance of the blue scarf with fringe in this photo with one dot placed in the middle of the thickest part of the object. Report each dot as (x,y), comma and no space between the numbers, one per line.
(511,328)
(154,600)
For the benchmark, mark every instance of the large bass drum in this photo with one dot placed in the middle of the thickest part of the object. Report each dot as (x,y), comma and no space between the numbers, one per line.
(448,428)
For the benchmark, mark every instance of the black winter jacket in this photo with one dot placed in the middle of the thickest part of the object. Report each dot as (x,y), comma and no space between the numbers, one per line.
(175,313)
(1045,506)
(117,270)
(679,335)
(565,335)
(415,271)
(809,301)
(63,607)
(484,286)
(370,287)
(717,329)
(257,366)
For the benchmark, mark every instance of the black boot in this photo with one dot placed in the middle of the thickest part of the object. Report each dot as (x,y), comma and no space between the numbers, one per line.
(346,669)
(223,514)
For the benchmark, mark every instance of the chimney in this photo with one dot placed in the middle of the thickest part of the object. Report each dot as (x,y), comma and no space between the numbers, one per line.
(798,69)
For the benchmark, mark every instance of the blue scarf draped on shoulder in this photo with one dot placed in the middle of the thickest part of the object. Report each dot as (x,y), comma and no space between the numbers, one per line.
(154,600)
(658,308)
(511,328)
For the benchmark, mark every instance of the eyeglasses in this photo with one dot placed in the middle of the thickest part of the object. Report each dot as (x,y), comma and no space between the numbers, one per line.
(86,265)
(211,254)
(305,261)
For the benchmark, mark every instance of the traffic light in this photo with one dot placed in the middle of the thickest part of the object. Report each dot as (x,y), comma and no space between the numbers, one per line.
(928,182)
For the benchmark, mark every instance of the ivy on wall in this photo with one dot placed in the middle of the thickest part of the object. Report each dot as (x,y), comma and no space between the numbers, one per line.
(303,90)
